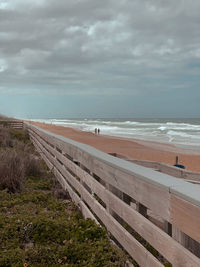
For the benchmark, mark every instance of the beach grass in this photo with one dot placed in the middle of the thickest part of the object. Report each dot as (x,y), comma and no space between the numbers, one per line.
(39,224)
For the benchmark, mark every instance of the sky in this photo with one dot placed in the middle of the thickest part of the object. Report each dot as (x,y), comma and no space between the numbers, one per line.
(99,58)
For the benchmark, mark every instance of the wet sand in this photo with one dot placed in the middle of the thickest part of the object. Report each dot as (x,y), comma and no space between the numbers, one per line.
(132,148)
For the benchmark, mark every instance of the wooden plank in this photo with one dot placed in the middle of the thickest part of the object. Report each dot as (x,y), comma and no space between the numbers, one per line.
(119,183)
(186,217)
(162,242)
(89,160)
(42,149)
(133,247)
(112,173)
(139,253)
(170,249)
(44,146)
(84,209)
(189,176)
(165,168)
(140,190)
(56,142)
(49,164)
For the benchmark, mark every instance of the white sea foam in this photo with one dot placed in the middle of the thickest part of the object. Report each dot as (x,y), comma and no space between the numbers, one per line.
(162,128)
(182,134)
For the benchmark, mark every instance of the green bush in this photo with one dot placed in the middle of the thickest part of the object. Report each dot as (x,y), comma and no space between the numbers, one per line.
(12,137)
(34,182)
(36,229)
(20,135)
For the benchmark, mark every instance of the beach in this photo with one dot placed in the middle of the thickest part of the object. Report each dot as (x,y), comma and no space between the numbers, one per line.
(132,148)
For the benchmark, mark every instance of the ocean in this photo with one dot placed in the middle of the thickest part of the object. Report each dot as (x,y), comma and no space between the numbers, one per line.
(181,132)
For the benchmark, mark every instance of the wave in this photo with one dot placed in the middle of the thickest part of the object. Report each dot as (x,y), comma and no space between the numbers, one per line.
(182,134)
(155,130)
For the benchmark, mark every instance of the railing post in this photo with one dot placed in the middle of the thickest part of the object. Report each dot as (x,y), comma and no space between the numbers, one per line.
(168,228)
(108,205)
(141,209)
(186,241)
(178,235)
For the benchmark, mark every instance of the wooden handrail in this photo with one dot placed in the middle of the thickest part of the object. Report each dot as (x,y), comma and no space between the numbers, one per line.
(105,187)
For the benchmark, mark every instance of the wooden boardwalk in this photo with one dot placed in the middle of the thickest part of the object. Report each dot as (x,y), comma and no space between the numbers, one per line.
(121,194)
(190,176)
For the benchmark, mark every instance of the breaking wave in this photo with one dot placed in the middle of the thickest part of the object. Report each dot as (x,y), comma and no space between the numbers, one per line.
(178,131)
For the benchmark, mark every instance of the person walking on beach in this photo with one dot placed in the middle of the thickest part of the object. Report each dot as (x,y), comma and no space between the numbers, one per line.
(98,131)
(95,130)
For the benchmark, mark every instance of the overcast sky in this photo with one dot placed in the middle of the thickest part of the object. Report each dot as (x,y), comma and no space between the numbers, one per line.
(100,58)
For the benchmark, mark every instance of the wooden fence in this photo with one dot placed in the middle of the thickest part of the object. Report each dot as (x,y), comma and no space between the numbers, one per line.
(16,124)
(123,196)
(193,177)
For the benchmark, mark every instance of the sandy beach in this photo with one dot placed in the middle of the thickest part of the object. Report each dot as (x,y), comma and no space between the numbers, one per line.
(132,148)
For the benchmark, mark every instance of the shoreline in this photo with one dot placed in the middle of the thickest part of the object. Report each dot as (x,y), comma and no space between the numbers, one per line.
(132,148)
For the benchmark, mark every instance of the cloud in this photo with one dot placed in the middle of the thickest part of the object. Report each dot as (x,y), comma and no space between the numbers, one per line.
(98,47)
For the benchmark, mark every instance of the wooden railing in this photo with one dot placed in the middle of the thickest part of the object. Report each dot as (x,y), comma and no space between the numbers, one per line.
(16,124)
(191,176)
(126,198)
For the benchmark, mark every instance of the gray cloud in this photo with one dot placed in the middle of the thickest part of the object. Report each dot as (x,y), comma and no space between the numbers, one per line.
(99,47)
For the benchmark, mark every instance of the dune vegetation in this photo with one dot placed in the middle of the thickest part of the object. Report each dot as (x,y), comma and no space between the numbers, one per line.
(39,224)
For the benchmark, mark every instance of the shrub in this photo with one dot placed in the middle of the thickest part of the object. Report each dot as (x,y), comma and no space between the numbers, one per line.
(20,135)
(12,170)
(14,138)
(36,229)
(32,166)
(5,140)
(17,159)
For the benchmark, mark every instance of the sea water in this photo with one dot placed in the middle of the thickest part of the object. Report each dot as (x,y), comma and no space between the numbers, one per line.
(181,132)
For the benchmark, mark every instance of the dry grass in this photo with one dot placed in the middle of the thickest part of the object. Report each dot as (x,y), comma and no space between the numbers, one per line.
(5,138)
(17,159)
(32,165)
(12,170)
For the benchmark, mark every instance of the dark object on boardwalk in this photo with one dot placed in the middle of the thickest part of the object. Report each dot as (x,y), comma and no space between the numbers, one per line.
(178,165)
